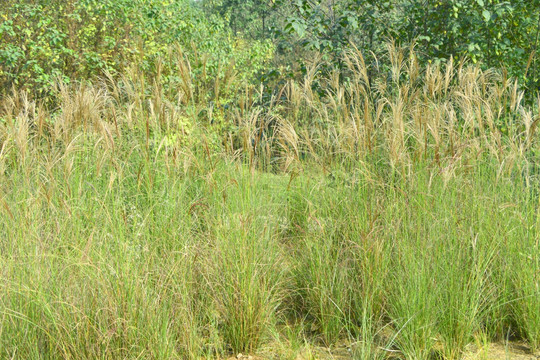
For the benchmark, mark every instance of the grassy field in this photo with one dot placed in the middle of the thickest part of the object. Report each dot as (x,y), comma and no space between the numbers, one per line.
(394,217)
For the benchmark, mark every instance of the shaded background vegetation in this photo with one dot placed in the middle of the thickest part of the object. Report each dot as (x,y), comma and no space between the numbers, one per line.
(269,40)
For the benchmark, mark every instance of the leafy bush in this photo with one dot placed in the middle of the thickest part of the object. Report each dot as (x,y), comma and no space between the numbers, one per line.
(47,39)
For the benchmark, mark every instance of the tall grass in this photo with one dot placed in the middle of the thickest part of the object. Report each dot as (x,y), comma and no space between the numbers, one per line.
(392,209)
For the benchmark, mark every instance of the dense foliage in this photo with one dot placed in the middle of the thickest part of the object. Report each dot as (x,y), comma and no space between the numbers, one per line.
(44,40)
(495,33)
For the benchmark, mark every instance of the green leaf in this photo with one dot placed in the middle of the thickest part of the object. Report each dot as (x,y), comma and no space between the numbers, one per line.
(487,15)
(299,28)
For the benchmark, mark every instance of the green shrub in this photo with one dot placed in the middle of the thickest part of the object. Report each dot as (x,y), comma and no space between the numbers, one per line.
(48,39)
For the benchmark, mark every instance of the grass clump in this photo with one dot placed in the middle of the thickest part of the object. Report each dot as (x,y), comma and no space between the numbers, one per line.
(392,216)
